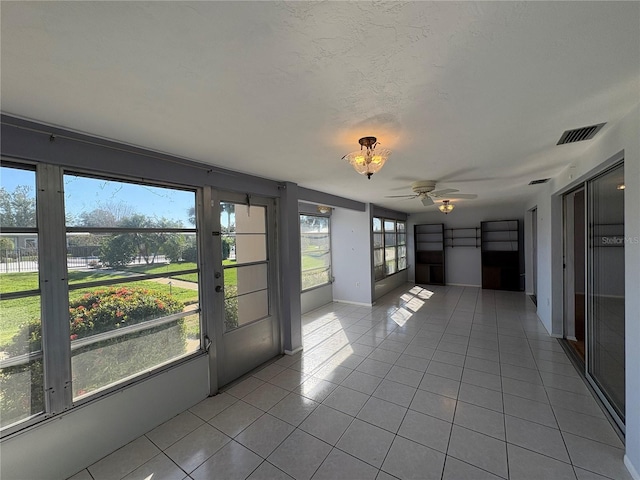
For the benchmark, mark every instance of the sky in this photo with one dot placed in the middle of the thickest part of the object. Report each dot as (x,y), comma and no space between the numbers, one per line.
(84,194)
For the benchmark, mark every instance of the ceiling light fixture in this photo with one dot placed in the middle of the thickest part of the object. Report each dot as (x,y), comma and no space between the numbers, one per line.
(370,160)
(323,209)
(446,207)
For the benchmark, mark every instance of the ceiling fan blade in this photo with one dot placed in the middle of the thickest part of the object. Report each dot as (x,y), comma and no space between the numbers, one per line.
(443,192)
(400,196)
(426,201)
(463,195)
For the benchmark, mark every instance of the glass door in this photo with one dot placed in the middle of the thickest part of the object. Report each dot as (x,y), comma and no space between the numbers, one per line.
(534,253)
(249,333)
(605,302)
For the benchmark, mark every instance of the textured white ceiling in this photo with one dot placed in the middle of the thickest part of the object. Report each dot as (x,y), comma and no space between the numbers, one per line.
(473,94)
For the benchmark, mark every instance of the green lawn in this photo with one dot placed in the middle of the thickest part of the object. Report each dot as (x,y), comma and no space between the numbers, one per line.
(230,274)
(19,282)
(15,312)
(310,261)
(168,268)
(18,311)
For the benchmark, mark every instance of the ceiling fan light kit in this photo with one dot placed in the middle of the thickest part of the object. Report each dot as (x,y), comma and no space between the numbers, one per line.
(446,207)
(369,159)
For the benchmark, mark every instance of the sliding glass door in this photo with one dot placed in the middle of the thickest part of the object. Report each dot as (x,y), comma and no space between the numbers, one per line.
(605,300)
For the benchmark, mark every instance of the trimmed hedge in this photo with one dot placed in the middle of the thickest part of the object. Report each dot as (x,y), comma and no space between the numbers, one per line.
(106,310)
(230,307)
(100,364)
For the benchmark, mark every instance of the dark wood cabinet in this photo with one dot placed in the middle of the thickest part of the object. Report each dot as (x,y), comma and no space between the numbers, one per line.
(500,255)
(429,248)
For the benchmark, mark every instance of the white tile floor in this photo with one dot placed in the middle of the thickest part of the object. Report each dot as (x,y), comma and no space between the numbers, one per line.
(444,383)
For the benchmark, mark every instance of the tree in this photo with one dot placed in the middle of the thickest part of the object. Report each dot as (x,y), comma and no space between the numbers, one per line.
(227,244)
(174,247)
(18,208)
(146,244)
(84,240)
(191,212)
(117,250)
(107,215)
(6,247)
(228,208)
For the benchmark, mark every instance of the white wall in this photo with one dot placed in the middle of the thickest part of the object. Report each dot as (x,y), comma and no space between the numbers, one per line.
(67,444)
(624,135)
(544,286)
(462,264)
(351,249)
(528,246)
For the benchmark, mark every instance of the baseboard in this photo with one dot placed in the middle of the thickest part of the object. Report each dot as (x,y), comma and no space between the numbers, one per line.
(463,285)
(632,470)
(556,335)
(573,339)
(360,304)
(293,352)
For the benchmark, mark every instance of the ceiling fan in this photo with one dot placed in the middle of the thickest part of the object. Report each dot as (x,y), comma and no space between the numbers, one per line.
(425,190)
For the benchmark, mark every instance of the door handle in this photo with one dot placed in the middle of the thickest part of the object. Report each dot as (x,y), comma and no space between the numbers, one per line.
(218,288)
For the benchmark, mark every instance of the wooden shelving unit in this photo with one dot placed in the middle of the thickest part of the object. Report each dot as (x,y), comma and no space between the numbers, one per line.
(500,255)
(462,237)
(429,248)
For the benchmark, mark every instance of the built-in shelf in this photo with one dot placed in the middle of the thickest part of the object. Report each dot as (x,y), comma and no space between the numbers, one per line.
(500,255)
(429,248)
(462,237)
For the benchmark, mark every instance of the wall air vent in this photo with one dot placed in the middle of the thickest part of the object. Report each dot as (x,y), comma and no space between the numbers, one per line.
(579,134)
(539,181)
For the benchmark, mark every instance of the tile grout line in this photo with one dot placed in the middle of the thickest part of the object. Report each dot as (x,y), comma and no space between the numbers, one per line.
(446,455)
(383,326)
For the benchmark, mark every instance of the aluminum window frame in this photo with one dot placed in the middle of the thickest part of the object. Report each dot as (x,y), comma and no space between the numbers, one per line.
(40,354)
(329,252)
(397,235)
(51,230)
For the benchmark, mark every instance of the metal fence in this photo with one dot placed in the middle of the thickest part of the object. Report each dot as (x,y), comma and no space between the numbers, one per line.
(25,259)
(19,260)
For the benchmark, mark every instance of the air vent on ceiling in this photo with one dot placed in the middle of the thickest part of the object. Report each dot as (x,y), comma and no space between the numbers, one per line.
(579,134)
(539,181)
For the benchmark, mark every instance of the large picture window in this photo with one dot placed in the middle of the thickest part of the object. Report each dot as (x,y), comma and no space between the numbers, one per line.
(131,286)
(21,358)
(133,279)
(315,247)
(389,247)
